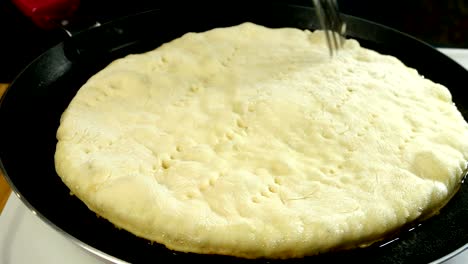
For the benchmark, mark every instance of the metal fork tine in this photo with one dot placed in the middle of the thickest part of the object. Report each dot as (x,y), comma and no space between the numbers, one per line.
(335,22)
(331,22)
(323,23)
(339,27)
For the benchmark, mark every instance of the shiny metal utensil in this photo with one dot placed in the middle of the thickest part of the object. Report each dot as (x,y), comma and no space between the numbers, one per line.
(332,23)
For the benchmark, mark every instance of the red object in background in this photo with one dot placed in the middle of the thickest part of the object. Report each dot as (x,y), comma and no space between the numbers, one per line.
(47,14)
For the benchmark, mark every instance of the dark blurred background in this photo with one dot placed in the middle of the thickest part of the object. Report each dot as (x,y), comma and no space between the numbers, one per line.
(439,23)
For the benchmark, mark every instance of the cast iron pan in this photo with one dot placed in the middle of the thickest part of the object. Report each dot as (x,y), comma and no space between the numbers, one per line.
(31,109)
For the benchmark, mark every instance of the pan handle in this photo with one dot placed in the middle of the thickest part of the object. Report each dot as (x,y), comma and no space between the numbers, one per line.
(78,25)
(88,40)
(98,41)
(61,15)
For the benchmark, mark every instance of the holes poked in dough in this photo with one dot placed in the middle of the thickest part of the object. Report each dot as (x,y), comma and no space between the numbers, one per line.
(229,135)
(272,189)
(350,150)
(179,148)
(328,171)
(114,86)
(278,180)
(195,88)
(241,124)
(255,199)
(373,119)
(265,194)
(165,164)
(229,58)
(325,133)
(212,181)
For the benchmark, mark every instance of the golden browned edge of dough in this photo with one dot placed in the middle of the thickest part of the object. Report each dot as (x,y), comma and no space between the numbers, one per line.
(179,245)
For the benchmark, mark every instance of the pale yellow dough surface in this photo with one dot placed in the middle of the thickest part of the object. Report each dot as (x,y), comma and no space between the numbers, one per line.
(252,142)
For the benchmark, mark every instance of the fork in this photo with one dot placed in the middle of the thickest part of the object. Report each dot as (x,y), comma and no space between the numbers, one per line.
(331,22)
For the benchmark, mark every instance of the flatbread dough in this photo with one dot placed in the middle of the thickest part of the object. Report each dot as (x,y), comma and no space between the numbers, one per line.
(252,142)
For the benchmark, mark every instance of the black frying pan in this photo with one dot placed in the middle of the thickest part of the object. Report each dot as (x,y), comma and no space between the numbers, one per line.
(30,112)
